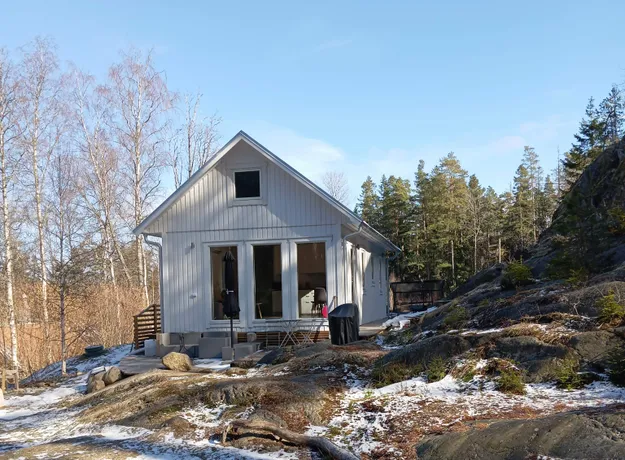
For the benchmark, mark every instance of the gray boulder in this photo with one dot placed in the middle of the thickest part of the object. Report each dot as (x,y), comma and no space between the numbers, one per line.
(568,435)
(112,375)
(177,362)
(444,346)
(594,347)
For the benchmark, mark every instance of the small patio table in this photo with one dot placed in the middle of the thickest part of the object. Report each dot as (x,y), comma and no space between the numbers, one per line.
(310,327)
(289,327)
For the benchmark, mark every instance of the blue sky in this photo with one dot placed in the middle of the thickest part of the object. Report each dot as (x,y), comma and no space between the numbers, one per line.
(363,87)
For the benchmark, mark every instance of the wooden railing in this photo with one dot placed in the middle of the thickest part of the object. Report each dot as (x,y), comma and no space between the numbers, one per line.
(147,324)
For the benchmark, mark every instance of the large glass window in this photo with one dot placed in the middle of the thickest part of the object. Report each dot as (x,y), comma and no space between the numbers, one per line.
(247,184)
(218,268)
(267,282)
(311,275)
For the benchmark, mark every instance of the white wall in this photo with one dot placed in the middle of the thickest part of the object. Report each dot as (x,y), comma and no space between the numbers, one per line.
(207,205)
(206,216)
(371,295)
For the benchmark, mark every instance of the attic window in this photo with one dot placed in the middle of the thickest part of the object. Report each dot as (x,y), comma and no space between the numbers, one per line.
(247,184)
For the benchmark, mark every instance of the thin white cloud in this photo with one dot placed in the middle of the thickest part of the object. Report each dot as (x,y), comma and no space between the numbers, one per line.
(494,161)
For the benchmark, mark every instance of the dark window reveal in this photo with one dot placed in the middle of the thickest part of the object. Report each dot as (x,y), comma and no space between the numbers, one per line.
(247,184)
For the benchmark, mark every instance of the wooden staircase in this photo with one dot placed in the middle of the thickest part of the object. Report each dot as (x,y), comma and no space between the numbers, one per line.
(147,324)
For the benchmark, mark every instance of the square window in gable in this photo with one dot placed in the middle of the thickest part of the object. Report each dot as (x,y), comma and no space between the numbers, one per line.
(247,184)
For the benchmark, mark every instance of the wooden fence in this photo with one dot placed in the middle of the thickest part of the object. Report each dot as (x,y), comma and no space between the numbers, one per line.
(147,324)
(422,293)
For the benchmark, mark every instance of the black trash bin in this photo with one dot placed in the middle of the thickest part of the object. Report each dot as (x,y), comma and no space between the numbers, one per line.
(344,322)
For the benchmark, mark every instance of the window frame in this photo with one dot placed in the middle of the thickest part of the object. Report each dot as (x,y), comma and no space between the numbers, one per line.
(295,281)
(260,185)
(252,245)
(209,294)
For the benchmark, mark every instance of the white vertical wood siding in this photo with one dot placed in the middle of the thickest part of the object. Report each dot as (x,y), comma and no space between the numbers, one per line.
(204,216)
(205,205)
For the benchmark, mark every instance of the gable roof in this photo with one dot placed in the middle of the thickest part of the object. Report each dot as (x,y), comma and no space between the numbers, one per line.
(241,136)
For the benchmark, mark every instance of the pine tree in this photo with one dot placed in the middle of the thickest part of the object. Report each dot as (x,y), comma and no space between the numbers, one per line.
(421,218)
(519,220)
(589,142)
(397,214)
(367,206)
(534,175)
(476,210)
(448,195)
(611,112)
(492,224)
(547,203)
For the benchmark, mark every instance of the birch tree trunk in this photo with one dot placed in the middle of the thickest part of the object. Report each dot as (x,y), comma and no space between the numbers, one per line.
(8,249)
(63,331)
(140,101)
(42,132)
(42,253)
(8,97)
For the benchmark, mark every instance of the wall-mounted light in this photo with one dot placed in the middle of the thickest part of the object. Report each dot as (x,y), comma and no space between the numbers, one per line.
(192,245)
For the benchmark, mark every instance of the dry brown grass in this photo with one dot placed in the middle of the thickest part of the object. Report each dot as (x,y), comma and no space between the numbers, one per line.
(548,333)
(90,318)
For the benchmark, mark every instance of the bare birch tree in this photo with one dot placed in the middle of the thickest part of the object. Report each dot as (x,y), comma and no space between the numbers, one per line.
(141,101)
(193,144)
(42,127)
(335,184)
(98,184)
(66,227)
(8,134)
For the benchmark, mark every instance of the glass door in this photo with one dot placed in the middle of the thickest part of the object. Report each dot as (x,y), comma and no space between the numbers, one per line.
(218,283)
(267,281)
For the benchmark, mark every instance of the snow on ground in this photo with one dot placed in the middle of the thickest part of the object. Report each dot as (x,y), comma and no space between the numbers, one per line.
(81,365)
(400,321)
(214,364)
(367,415)
(38,418)
(480,332)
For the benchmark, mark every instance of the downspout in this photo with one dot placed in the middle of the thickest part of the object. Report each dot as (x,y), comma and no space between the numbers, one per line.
(345,258)
(159,246)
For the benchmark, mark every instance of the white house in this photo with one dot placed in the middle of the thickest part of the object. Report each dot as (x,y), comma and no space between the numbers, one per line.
(288,237)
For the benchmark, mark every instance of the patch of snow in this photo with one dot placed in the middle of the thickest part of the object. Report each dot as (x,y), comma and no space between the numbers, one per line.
(204,416)
(400,321)
(365,413)
(480,332)
(80,364)
(214,364)
(314,430)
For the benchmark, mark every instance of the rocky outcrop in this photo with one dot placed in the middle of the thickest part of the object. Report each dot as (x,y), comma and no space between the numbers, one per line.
(594,348)
(569,435)
(485,276)
(179,362)
(599,190)
(444,346)
(536,358)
